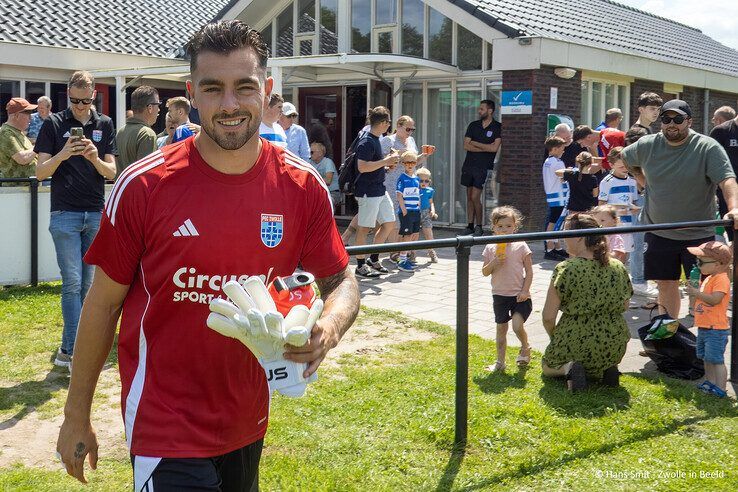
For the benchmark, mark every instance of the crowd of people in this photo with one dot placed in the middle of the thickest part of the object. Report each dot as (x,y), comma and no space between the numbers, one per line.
(615,178)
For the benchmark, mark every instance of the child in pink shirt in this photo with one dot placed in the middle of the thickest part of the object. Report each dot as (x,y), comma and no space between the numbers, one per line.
(511,268)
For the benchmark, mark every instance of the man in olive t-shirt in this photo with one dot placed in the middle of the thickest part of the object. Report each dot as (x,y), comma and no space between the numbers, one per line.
(680,170)
(136,139)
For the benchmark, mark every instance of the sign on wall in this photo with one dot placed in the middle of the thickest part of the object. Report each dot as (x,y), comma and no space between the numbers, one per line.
(517,102)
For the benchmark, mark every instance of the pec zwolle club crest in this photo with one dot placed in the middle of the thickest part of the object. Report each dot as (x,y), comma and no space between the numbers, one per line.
(272,229)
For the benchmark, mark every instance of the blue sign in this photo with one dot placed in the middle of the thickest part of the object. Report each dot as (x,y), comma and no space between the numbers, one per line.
(517,102)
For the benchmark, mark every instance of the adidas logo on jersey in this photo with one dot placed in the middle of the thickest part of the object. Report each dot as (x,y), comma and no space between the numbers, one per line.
(186,230)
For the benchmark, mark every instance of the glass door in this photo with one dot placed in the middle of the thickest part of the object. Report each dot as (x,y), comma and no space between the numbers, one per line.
(320,115)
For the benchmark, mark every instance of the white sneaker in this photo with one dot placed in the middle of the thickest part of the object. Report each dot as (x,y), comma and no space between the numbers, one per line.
(645,290)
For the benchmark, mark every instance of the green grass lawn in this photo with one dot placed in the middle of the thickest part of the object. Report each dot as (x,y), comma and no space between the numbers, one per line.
(384,421)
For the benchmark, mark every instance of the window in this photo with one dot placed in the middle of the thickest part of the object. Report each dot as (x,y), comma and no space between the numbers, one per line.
(440,37)
(440,134)
(489,56)
(361,25)
(34,90)
(306,16)
(8,90)
(413,25)
(384,42)
(385,12)
(468,50)
(328,26)
(600,95)
(306,47)
(285,33)
(266,34)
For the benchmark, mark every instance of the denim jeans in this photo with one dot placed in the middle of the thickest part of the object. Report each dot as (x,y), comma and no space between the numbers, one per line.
(73,233)
(636,257)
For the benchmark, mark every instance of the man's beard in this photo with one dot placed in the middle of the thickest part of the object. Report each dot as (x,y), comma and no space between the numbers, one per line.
(231,140)
(678,137)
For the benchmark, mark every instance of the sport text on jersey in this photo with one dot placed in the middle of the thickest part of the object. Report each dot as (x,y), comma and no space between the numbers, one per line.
(202,288)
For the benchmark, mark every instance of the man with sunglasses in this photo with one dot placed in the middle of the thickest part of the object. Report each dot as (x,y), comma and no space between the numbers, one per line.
(78,168)
(680,169)
(136,139)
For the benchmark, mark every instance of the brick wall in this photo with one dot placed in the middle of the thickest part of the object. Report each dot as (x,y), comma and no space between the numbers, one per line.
(695,97)
(523,137)
(718,99)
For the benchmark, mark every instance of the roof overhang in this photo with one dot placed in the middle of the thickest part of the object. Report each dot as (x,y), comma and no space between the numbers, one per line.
(510,54)
(315,68)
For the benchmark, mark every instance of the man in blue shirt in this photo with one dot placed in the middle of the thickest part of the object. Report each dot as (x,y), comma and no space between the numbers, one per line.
(297,139)
(37,119)
(375,205)
(179,111)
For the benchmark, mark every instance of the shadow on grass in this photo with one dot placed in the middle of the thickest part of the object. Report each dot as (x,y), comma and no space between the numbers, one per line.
(452,468)
(596,401)
(20,293)
(30,395)
(579,405)
(499,382)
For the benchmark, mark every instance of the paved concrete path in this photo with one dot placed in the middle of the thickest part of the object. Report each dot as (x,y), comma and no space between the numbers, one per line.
(430,294)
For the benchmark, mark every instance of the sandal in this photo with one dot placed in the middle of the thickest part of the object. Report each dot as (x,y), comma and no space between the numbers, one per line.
(498,366)
(576,379)
(523,358)
(650,305)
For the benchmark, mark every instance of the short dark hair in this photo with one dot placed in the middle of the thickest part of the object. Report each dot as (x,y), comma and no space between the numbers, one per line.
(580,132)
(378,115)
(489,102)
(224,37)
(553,142)
(275,99)
(634,134)
(143,96)
(650,99)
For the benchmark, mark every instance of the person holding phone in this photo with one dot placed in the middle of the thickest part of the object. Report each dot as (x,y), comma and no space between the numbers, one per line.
(76,149)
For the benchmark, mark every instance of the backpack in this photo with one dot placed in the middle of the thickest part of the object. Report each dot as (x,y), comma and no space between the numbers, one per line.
(349,173)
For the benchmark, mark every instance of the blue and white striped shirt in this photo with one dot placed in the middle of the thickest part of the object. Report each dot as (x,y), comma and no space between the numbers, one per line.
(409,187)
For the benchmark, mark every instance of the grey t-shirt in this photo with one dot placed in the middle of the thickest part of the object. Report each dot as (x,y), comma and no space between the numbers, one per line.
(680,181)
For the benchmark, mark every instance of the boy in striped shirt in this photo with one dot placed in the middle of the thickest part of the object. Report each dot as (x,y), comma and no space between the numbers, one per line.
(621,190)
(408,196)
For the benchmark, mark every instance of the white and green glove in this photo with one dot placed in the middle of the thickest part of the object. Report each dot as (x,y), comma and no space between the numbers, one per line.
(253,319)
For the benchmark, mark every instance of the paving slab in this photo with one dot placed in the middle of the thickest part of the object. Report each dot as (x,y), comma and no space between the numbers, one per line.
(430,294)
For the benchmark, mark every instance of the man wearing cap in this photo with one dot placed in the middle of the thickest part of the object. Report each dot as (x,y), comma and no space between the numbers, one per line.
(297,139)
(17,158)
(680,170)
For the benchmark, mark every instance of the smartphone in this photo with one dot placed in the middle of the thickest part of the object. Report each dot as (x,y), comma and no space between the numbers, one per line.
(77,132)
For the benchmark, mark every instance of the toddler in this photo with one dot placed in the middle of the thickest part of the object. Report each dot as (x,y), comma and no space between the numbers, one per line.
(511,267)
(607,216)
(583,184)
(711,313)
(427,208)
(408,197)
(556,194)
(620,190)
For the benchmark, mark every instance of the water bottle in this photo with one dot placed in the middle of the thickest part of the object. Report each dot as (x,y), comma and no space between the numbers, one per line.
(695,276)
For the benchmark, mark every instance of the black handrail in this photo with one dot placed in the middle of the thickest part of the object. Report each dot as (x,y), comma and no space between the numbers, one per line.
(463,245)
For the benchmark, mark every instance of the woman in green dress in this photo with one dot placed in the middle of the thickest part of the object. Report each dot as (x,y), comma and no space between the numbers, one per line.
(592,291)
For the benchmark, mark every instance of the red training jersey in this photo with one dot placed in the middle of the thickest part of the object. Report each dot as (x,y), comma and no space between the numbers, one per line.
(609,139)
(176,230)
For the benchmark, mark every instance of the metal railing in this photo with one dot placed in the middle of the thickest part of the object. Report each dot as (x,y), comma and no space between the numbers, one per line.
(463,245)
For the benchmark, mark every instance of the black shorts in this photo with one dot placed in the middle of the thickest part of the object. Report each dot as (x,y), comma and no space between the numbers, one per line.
(505,306)
(235,471)
(663,259)
(410,223)
(473,176)
(554,213)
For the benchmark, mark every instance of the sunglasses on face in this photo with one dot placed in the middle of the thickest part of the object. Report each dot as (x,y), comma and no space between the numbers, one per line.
(409,130)
(85,101)
(409,162)
(155,103)
(701,262)
(425,180)
(678,119)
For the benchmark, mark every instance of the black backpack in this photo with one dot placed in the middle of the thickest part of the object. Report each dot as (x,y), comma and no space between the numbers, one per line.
(349,173)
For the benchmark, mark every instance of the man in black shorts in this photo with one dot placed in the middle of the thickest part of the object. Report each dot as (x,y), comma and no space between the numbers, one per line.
(680,170)
(481,141)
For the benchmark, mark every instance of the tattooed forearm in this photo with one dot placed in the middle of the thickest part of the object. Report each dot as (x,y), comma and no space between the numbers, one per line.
(340,292)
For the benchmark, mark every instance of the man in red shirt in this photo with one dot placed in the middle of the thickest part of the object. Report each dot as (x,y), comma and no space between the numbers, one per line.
(177,226)
(610,135)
